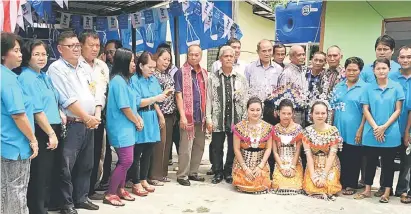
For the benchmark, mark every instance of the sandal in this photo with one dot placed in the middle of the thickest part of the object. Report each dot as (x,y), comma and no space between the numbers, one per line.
(405,199)
(149,188)
(379,193)
(165,179)
(384,199)
(126,196)
(361,196)
(349,191)
(111,199)
(155,183)
(139,192)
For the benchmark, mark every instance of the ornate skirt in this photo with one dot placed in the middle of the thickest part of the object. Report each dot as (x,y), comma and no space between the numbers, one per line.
(333,185)
(285,185)
(259,184)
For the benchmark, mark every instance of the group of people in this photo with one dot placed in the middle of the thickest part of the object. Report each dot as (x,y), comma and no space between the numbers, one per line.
(287,126)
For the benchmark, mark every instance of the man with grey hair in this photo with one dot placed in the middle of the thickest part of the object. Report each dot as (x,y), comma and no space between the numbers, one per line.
(294,73)
(190,87)
(335,72)
(226,97)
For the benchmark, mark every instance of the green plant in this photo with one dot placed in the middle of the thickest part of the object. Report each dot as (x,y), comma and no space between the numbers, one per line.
(274,3)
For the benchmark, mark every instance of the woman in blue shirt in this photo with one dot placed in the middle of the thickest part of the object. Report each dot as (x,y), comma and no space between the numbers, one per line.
(146,86)
(349,120)
(122,123)
(18,142)
(36,84)
(382,102)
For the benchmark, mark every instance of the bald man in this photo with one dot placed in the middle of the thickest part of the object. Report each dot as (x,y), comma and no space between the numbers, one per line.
(294,73)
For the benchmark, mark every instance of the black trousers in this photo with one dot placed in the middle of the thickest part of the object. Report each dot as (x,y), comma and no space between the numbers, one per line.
(351,158)
(141,164)
(217,153)
(387,159)
(268,116)
(75,167)
(108,159)
(98,145)
(176,136)
(41,171)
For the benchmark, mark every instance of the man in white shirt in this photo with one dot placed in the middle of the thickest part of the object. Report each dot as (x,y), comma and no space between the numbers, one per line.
(90,47)
(238,66)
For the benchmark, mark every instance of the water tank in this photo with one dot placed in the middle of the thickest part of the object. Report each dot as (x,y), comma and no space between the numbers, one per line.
(298,22)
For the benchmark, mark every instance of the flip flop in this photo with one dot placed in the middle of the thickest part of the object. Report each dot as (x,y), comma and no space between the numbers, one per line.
(126,196)
(405,199)
(155,183)
(165,179)
(384,199)
(111,199)
(349,191)
(361,196)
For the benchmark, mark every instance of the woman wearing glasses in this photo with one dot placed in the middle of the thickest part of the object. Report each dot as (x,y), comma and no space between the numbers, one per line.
(36,84)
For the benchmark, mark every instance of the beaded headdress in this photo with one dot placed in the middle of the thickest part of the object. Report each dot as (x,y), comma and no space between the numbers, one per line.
(291,92)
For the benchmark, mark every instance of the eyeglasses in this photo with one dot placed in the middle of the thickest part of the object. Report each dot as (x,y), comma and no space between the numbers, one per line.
(72,47)
(40,55)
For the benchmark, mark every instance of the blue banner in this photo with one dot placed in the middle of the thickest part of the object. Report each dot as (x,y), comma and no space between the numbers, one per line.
(123,22)
(149,16)
(76,23)
(41,7)
(100,23)
(148,37)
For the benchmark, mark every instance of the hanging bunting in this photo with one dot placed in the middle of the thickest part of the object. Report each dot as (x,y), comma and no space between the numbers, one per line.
(112,23)
(60,3)
(87,22)
(20,20)
(66,2)
(175,8)
(206,8)
(52,18)
(228,22)
(148,16)
(123,21)
(136,20)
(26,10)
(76,22)
(162,14)
(100,22)
(65,20)
(236,32)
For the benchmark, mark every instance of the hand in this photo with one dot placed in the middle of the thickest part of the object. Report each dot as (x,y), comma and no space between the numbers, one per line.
(358,136)
(168,92)
(183,122)
(292,173)
(162,122)
(98,115)
(34,145)
(160,98)
(92,122)
(139,124)
(407,139)
(63,118)
(210,127)
(321,182)
(379,133)
(53,142)
(284,172)
(314,179)
(249,174)
(257,172)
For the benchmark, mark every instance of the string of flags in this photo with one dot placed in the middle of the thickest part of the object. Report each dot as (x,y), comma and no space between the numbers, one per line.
(200,22)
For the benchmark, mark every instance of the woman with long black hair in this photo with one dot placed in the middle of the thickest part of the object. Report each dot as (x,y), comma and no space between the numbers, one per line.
(122,123)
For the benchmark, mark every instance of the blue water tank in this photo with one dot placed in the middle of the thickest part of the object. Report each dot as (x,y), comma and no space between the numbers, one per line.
(298,22)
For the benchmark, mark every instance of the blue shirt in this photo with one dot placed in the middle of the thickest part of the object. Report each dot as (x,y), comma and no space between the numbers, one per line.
(367,73)
(14,144)
(406,86)
(146,88)
(382,105)
(348,109)
(121,131)
(42,92)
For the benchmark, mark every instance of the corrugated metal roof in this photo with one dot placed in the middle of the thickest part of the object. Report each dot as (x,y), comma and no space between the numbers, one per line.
(105,8)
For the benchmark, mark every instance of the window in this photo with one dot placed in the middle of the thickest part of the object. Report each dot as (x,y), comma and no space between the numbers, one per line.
(400,30)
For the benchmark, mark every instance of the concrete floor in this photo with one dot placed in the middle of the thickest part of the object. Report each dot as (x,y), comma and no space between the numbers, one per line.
(223,199)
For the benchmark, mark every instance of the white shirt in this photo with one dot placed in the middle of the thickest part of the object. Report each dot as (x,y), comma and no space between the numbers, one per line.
(238,66)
